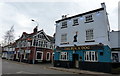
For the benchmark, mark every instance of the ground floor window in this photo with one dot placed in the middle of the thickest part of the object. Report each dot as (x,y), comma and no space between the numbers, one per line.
(115,57)
(91,56)
(48,56)
(39,55)
(64,56)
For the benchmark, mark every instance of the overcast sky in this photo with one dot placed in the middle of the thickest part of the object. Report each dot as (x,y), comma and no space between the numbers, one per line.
(46,13)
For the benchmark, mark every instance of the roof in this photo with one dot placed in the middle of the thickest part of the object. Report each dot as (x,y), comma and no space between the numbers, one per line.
(31,35)
(80,14)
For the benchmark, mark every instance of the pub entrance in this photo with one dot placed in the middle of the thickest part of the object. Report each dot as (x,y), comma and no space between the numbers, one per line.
(76,60)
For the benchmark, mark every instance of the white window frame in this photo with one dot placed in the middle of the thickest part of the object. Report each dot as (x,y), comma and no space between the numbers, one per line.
(75,22)
(48,53)
(41,55)
(88,56)
(64,37)
(89,18)
(89,34)
(62,54)
(64,24)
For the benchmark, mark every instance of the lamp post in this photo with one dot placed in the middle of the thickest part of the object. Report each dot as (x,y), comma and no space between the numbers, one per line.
(33,61)
(35,22)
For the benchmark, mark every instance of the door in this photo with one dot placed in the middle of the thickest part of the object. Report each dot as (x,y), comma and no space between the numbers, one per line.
(76,60)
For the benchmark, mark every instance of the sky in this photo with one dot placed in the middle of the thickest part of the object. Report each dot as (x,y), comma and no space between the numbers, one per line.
(45,13)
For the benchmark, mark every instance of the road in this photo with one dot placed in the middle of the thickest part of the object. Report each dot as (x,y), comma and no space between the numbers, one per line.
(13,67)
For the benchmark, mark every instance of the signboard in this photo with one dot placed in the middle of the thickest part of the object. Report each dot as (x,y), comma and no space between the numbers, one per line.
(115,49)
(92,47)
(39,49)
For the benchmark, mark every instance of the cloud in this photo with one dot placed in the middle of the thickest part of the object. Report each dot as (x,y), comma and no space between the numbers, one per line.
(20,14)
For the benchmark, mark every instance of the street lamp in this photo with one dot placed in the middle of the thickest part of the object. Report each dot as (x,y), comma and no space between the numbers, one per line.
(35,22)
(35,42)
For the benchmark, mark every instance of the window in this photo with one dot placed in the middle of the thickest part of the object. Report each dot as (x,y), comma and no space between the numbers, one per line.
(101,53)
(75,22)
(89,34)
(63,56)
(64,38)
(48,56)
(91,56)
(64,24)
(39,55)
(89,18)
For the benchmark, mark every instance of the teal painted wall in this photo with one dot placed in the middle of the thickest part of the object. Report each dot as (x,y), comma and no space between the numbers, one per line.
(106,57)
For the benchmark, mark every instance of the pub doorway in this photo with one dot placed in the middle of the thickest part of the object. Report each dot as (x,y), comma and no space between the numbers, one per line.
(76,60)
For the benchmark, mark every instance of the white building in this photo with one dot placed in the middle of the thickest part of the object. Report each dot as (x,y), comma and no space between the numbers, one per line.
(115,45)
(84,38)
(91,28)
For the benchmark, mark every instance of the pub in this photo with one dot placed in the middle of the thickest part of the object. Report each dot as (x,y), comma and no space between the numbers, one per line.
(82,41)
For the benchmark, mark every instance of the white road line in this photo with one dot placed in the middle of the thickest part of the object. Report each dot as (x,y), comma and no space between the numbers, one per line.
(23,72)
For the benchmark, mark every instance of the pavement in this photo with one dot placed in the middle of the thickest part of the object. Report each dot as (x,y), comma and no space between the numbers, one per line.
(78,71)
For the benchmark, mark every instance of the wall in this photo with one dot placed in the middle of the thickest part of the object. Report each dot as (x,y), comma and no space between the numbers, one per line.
(114,39)
(99,26)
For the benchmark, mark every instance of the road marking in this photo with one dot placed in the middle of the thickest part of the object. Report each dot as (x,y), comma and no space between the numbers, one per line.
(23,72)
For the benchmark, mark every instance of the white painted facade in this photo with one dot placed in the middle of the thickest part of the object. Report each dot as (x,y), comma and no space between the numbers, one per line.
(100,27)
(115,45)
(114,39)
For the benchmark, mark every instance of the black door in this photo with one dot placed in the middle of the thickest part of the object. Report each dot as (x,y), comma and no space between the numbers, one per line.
(76,60)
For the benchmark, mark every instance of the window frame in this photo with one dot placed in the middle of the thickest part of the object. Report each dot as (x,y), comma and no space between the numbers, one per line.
(41,55)
(64,24)
(75,22)
(48,53)
(89,35)
(89,18)
(62,54)
(88,56)
(63,38)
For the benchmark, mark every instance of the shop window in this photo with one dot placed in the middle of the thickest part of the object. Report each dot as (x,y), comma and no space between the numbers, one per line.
(48,56)
(63,56)
(115,57)
(39,55)
(91,56)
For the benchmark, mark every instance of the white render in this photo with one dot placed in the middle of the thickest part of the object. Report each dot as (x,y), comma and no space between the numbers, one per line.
(100,28)
(114,39)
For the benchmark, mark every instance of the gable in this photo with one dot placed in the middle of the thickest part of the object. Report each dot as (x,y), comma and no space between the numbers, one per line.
(41,35)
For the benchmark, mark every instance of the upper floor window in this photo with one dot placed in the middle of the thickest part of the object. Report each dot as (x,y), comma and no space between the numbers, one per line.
(64,24)
(75,22)
(89,34)
(91,56)
(64,38)
(88,19)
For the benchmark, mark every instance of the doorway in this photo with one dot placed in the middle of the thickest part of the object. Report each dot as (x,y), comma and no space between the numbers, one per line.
(76,60)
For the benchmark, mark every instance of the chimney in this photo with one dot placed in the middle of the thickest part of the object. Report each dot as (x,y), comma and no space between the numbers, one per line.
(35,29)
(103,5)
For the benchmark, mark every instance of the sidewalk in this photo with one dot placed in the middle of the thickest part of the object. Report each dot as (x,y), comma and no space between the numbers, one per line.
(78,71)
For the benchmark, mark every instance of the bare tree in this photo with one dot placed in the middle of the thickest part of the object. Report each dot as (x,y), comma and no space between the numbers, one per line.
(9,36)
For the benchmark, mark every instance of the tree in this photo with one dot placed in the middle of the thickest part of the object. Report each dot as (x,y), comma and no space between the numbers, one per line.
(9,36)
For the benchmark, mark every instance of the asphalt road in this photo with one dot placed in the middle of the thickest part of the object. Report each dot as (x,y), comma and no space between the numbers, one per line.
(13,67)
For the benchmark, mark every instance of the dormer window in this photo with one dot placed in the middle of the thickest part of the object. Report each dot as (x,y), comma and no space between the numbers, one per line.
(64,24)
(75,22)
(88,19)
